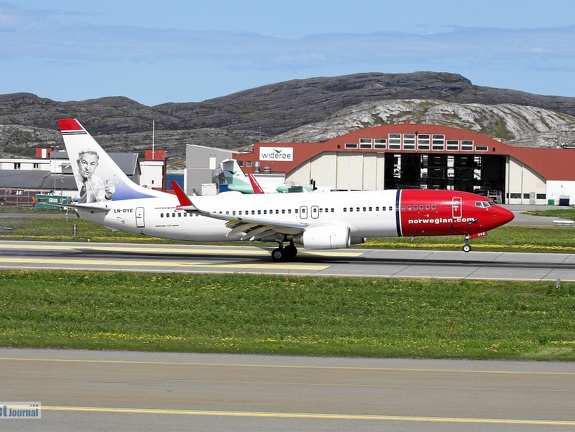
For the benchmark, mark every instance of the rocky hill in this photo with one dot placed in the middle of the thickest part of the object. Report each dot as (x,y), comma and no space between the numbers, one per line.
(512,123)
(281,112)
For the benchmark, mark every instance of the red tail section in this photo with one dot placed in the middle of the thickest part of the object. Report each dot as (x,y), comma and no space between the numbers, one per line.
(255,185)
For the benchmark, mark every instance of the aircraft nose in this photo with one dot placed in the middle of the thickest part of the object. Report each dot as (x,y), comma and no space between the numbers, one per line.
(503,216)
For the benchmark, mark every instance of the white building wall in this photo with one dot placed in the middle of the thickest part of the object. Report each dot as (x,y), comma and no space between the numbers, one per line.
(349,171)
(524,186)
(561,189)
(373,171)
(343,171)
(25,164)
(151,176)
(321,169)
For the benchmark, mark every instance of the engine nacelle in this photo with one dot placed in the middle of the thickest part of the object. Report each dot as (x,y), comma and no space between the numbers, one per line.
(325,237)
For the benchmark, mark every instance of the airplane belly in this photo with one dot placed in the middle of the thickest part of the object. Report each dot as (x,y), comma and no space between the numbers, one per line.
(188,228)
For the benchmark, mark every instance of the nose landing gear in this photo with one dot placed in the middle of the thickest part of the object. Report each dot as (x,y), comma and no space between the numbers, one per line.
(466,245)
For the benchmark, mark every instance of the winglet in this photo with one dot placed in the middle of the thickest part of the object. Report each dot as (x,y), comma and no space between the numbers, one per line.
(184,200)
(255,185)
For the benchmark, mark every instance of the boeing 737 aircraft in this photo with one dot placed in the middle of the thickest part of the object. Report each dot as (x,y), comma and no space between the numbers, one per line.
(330,220)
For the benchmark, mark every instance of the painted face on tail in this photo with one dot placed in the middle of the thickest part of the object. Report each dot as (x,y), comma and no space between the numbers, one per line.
(87,163)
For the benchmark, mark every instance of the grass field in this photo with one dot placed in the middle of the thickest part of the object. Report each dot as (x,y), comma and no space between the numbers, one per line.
(295,315)
(281,315)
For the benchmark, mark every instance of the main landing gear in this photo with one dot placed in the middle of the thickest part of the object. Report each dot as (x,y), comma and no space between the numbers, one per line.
(284,253)
(466,245)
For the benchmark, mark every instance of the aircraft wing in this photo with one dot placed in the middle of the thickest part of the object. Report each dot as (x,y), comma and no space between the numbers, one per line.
(253,228)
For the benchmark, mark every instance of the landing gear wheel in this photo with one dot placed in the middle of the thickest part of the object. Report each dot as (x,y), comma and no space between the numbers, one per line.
(278,254)
(466,247)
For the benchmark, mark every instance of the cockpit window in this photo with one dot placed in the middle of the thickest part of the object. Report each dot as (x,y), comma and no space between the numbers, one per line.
(484,204)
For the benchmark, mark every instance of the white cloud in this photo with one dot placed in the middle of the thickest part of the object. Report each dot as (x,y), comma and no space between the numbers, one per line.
(35,41)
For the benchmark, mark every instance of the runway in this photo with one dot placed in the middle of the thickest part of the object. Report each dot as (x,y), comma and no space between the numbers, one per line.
(246,259)
(109,391)
(101,390)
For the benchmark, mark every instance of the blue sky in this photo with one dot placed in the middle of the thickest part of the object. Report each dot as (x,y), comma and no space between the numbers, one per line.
(190,51)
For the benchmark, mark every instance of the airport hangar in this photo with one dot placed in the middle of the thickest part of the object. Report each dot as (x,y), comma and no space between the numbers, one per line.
(411,155)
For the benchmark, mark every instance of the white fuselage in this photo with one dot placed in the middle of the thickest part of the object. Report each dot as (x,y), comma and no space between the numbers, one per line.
(367,214)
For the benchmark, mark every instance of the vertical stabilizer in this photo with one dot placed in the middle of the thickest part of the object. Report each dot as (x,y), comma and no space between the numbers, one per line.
(98,177)
(235,177)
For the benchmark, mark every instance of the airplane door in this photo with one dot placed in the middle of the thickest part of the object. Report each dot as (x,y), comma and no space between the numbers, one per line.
(457,208)
(140,217)
(303,212)
(314,212)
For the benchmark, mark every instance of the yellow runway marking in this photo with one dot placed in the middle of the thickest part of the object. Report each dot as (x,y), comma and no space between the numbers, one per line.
(125,262)
(308,416)
(219,250)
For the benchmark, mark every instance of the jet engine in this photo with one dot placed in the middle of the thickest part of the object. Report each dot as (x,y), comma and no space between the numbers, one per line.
(325,237)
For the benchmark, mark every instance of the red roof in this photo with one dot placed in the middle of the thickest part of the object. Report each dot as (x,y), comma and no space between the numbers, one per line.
(549,163)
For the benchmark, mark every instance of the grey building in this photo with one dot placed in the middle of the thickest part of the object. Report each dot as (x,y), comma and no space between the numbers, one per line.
(203,168)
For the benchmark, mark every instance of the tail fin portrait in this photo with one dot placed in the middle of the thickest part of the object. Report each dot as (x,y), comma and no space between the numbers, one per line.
(98,177)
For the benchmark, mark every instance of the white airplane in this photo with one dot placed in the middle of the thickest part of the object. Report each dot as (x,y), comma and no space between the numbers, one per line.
(314,220)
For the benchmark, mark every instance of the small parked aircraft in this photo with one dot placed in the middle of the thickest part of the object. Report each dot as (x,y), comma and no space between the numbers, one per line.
(238,181)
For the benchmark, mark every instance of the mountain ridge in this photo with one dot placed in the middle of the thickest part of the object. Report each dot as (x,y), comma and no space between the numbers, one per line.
(276,111)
